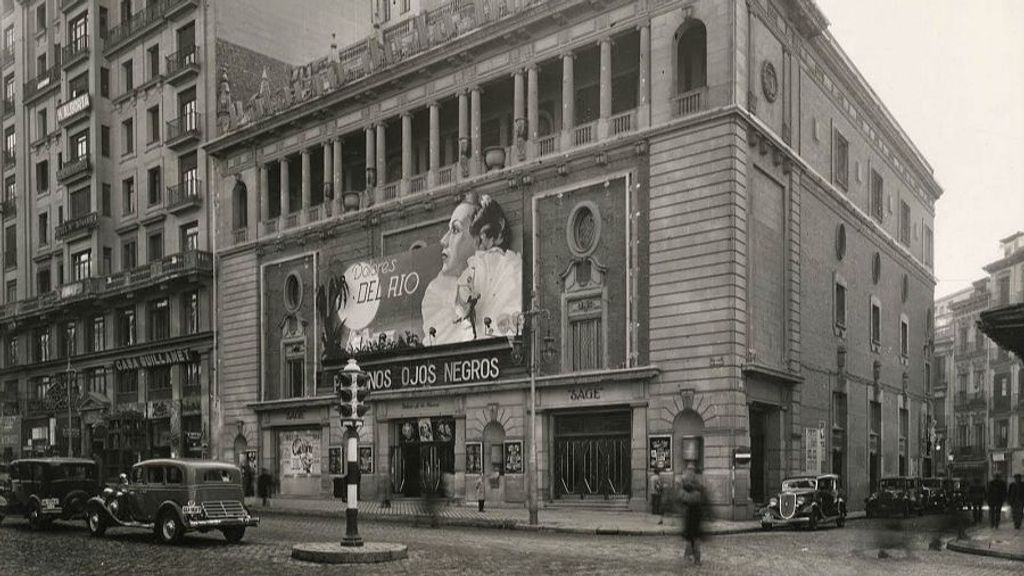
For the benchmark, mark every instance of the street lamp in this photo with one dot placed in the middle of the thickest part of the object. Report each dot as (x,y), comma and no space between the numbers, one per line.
(523,322)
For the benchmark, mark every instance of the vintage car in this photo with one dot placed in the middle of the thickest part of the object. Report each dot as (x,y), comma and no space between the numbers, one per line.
(47,489)
(937,495)
(172,497)
(956,493)
(807,500)
(896,495)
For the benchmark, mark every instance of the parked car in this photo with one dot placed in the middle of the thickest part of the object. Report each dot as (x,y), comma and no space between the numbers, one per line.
(47,489)
(172,497)
(896,495)
(956,493)
(807,500)
(934,494)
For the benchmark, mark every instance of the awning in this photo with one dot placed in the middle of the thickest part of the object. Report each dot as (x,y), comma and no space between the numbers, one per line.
(1005,327)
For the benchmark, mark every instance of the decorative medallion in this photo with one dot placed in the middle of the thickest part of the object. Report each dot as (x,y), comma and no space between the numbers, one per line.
(769,81)
(583,229)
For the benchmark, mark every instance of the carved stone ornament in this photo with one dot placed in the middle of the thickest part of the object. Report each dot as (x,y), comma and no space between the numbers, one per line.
(769,81)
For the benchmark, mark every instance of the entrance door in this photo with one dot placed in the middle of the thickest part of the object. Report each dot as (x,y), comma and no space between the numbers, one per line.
(758,456)
(592,454)
(424,459)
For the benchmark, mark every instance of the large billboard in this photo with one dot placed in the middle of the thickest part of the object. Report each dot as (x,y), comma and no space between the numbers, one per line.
(463,286)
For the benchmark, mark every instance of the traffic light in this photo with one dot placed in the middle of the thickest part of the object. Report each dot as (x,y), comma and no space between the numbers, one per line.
(350,386)
(346,396)
(362,393)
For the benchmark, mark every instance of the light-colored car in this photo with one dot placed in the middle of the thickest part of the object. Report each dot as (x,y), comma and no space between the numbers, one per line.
(172,497)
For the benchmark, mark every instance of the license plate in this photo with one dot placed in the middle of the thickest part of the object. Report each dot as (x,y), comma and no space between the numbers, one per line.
(191,510)
(50,503)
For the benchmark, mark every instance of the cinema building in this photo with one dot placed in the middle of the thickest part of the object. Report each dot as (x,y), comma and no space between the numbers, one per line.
(713,234)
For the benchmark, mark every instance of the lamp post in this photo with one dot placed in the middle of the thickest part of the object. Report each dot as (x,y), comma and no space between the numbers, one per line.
(525,320)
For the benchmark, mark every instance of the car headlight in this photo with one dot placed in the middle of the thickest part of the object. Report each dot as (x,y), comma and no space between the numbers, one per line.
(773,502)
(114,506)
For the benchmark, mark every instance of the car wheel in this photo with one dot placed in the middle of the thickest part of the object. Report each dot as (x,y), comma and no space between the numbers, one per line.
(169,529)
(813,522)
(234,534)
(95,522)
(35,518)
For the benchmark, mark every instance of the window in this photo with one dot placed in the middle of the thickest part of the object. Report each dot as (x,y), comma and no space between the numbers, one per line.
(78,85)
(1001,433)
(153,178)
(43,281)
(105,141)
(70,343)
(841,164)
(979,381)
(296,375)
(105,199)
(876,322)
(840,304)
(9,92)
(42,344)
(128,196)
(9,39)
(126,10)
(159,382)
(43,176)
(128,136)
(155,246)
(78,146)
(98,340)
(691,57)
(108,261)
(59,264)
(929,246)
(979,339)
(193,379)
(190,312)
(40,64)
(153,124)
(10,142)
(190,237)
(81,265)
(104,81)
(153,58)
(128,82)
(904,431)
(188,174)
(81,203)
(10,249)
(44,228)
(904,223)
(875,444)
(42,124)
(41,18)
(39,389)
(128,383)
(904,336)
(98,380)
(12,290)
(12,351)
(126,327)
(877,196)
(129,254)
(1003,290)
(11,189)
(159,319)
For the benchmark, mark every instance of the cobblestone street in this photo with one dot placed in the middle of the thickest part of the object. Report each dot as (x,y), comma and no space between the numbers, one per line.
(68,549)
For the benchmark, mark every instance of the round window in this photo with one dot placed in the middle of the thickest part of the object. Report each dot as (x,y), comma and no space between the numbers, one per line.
(876,267)
(292,292)
(584,229)
(841,241)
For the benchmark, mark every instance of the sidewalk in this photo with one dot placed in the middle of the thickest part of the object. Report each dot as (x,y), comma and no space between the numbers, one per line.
(553,520)
(1005,542)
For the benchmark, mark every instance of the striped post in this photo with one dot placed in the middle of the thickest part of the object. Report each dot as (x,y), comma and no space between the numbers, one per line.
(352,537)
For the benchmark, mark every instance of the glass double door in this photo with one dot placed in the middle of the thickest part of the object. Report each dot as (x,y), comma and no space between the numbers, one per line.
(423,460)
(592,454)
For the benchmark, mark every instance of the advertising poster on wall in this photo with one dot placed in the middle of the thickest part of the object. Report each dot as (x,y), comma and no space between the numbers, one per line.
(366,459)
(514,457)
(660,448)
(474,464)
(464,286)
(334,460)
(300,453)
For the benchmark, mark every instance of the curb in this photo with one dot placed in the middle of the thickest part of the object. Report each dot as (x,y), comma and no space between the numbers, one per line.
(957,546)
(508,524)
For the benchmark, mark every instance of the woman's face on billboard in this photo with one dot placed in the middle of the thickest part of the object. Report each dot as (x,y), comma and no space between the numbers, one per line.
(457,244)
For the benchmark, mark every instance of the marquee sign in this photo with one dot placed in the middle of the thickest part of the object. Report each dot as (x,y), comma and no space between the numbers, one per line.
(433,372)
(166,358)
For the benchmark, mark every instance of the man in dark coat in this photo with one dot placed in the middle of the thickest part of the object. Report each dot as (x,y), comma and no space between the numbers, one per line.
(1016,500)
(996,498)
(976,497)
(264,484)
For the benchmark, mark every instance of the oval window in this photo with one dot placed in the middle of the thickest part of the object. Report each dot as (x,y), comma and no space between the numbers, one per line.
(584,229)
(292,292)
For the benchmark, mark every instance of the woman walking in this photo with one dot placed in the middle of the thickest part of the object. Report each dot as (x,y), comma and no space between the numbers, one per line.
(692,499)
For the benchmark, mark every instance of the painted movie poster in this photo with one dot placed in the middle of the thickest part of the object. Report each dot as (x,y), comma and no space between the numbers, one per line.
(463,286)
(300,452)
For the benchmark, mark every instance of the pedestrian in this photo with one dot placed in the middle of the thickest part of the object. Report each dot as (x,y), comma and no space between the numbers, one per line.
(264,484)
(976,495)
(1016,500)
(692,500)
(996,498)
(656,489)
(481,492)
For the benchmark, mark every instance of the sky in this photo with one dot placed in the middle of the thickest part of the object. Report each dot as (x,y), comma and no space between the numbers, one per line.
(952,74)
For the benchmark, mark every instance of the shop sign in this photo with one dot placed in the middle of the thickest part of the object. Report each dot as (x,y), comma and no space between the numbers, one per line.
(514,457)
(433,372)
(72,107)
(814,450)
(165,358)
(585,393)
(660,450)
(999,456)
(366,459)
(160,409)
(10,430)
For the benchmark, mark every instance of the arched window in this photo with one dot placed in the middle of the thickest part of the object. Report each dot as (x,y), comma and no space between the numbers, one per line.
(691,56)
(240,202)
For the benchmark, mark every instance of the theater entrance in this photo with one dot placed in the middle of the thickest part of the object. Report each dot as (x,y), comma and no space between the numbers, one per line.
(592,454)
(422,460)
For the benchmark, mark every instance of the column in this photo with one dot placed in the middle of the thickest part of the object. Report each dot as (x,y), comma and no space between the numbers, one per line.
(371,163)
(382,161)
(518,116)
(406,151)
(605,88)
(643,112)
(328,185)
(338,178)
(285,208)
(464,148)
(306,185)
(568,100)
(476,163)
(435,144)
(264,192)
(532,108)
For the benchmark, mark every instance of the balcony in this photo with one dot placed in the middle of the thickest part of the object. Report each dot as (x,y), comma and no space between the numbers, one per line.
(142,22)
(690,102)
(43,83)
(183,130)
(77,226)
(66,5)
(73,109)
(184,196)
(75,52)
(175,7)
(74,169)
(182,65)
(623,123)
(1001,405)
(240,236)
(9,207)
(183,264)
